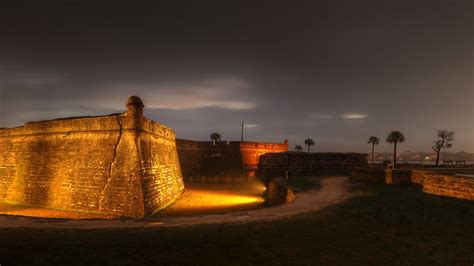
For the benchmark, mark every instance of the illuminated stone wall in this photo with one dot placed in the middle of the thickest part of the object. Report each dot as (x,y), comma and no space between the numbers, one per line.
(161,171)
(456,183)
(449,185)
(234,161)
(120,164)
(309,164)
(251,152)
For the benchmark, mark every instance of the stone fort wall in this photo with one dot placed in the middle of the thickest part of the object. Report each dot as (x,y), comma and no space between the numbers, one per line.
(120,164)
(309,164)
(234,161)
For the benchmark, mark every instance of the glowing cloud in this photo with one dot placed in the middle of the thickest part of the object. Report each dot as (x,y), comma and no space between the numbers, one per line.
(250,125)
(353,116)
(218,93)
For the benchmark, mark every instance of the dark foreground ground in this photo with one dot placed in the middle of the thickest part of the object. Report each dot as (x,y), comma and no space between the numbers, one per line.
(382,225)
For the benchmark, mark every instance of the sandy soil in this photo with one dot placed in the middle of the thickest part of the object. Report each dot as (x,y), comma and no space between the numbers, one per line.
(333,190)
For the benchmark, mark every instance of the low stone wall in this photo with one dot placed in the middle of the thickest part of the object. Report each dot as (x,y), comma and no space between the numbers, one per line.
(309,164)
(449,185)
(457,183)
(368,174)
(418,176)
(278,192)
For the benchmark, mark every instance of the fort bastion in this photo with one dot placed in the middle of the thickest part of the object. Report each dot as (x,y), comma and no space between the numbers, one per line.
(120,164)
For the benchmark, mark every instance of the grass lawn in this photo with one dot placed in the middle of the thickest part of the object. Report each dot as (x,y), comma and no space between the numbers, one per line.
(383,225)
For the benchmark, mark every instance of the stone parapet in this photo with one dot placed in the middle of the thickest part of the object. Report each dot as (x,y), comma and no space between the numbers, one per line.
(309,164)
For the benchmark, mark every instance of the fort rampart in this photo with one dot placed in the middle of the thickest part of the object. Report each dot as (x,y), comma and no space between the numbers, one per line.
(120,164)
(309,164)
(234,161)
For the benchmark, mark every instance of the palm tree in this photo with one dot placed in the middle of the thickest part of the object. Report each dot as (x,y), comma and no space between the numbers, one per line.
(298,148)
(215,137)
(374,141)
(309,143)
(444,141)
(395,137)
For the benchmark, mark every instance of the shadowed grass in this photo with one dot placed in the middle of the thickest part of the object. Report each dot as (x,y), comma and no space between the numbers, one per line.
(383,225)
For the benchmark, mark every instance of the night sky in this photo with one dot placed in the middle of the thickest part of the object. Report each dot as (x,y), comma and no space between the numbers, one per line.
(335,71)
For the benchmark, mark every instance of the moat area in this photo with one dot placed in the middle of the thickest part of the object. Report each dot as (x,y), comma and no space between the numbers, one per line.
(200,204)
(197,199)
(334,223)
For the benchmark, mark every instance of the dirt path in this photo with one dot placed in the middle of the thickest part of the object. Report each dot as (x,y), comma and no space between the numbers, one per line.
(333,189)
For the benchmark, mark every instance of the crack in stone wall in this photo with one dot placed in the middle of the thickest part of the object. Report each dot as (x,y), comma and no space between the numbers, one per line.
(109,177)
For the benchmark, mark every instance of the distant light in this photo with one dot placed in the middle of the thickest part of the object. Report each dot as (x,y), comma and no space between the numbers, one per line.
(353,116)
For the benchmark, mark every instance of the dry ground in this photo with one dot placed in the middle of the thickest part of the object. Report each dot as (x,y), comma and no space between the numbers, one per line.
(369,225)
(200,205)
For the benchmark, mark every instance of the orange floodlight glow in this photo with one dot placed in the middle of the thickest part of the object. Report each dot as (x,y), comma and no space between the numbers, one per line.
(210,199)
(217,198)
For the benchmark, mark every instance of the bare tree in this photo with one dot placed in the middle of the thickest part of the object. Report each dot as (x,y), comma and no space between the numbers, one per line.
(309,143)
(298,148)
(444,140)
(374,141)
(215,137)
(395,137)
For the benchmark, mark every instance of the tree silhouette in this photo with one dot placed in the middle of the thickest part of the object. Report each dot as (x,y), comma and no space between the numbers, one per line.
(444,141)
(395,137)
(215,137)
(309,143)
(298,148)
(374,141)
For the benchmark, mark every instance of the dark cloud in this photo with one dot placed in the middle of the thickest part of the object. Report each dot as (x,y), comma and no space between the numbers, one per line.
(336,71)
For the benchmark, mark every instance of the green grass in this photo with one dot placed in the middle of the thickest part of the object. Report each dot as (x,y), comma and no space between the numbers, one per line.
(382,225)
